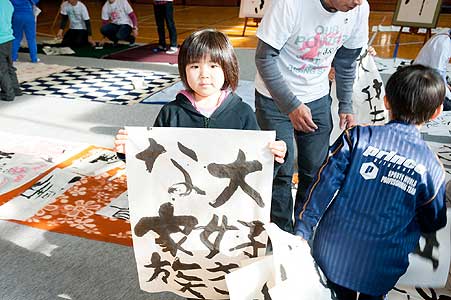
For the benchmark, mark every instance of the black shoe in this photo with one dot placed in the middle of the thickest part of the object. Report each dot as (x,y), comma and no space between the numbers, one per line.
(9,99)
(18,92)
(132,41)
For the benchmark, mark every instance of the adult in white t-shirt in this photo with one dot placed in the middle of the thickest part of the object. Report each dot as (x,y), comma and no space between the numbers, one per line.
(119,22)
(436,54)
(297,42)
(79,33)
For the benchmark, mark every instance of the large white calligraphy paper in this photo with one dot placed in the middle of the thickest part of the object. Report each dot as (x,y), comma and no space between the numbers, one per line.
(367,98)
(198,201)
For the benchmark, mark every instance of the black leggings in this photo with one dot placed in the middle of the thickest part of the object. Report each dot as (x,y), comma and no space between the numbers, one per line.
(343,293)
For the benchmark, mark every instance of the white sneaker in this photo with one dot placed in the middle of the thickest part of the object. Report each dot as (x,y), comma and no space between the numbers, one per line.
(172,50)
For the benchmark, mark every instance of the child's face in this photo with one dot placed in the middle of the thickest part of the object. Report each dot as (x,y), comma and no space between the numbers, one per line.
(205,78)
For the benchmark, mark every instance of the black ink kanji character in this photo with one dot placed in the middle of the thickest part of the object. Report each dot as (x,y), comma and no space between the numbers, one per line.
(165,225)
(421,9)
(187,277)
(43,188)
(187,151)
(433,296)
(376,112)
(431,242)
(121,213)
(211,227)
(366,90)
(188,287)
(39,188)
(223,268)
(6,154)
(158,264)
(150,155)
(265,292)
(444,153)
(236,171)
(108,158)
(360,60)
(255,229)
(262,3)
(377,85)
(219,291)
(187,186)
(178,265)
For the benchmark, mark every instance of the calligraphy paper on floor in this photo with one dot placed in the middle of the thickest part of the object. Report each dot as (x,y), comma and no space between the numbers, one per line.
(367,97)
(429,263)
(436,133)
(96,162)
(17,169)
(48,149)
(198,201)
(40,194)
(419,294)
(118,208)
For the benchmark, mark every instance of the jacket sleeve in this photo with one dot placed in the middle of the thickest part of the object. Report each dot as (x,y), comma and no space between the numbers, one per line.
(345,68)
(266,62)
(324,187)
(431,216)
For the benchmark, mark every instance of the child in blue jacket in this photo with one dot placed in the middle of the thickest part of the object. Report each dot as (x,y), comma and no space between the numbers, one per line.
(379,188)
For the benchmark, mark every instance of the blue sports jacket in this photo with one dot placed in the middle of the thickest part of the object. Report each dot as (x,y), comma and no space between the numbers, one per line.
(378,189)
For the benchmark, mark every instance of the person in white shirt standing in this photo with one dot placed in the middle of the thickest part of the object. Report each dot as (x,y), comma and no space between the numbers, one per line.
(436,54)
(297,42)
(79,33)
(119,22)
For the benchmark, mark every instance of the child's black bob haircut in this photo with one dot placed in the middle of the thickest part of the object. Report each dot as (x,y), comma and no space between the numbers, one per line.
(217,45)
(414,93)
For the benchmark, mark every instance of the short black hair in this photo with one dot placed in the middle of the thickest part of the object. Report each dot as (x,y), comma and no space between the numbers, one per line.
(414,93)
(217,45)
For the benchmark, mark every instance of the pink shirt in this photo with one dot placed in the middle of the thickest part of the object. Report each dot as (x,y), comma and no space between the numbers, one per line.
(206,112)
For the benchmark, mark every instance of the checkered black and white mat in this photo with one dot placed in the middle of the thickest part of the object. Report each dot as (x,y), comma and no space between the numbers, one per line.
(116,86)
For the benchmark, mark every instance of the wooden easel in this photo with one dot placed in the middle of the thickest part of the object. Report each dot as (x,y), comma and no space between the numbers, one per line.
(413,30)
(255,20)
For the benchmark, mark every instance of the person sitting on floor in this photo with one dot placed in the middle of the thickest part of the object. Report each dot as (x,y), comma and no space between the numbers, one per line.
(436,54)
(79,33)
(8,78)
(119,22)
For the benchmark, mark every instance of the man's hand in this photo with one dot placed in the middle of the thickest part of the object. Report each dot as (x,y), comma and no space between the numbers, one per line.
(135,32)
(59,35)
(346,121)
(301,118)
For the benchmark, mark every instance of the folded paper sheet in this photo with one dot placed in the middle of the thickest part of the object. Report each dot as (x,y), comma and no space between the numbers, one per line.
(198,201)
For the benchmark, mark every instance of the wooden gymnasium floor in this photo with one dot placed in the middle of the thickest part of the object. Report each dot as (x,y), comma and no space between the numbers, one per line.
(225,19)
